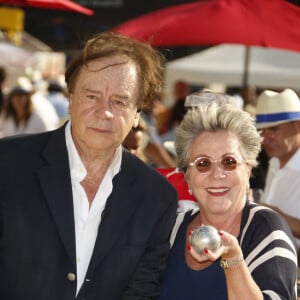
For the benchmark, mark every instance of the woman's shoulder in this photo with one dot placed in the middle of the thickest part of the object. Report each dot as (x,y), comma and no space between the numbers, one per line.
(262,225)
(182,220)
(255,213)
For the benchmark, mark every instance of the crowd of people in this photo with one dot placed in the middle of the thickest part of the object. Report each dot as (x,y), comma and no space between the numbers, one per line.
(94,204)
(26,108)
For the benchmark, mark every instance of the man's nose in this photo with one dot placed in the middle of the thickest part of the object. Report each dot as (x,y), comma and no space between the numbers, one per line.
(104,107)
(267,133)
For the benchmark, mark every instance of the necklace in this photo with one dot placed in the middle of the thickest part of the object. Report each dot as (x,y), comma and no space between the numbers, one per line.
(230,228)
(233,223)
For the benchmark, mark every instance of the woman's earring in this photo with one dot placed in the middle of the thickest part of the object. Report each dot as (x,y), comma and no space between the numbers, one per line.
(190,191)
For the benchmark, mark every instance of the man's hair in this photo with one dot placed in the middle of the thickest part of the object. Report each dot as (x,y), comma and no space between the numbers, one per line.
(150,62)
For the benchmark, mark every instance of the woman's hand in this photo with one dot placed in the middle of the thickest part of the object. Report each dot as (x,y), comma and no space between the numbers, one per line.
(229,249)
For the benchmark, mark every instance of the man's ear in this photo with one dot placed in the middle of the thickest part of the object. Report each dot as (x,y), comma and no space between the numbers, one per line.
(136,119)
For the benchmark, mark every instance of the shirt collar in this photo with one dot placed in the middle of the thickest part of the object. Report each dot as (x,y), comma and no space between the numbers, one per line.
(292,164)
(294,161)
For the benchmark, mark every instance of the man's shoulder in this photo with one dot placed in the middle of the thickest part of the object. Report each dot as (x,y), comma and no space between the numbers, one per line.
(26,142)
(23,139)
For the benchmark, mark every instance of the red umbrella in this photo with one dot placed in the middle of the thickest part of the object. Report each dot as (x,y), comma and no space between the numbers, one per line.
(50,4)
(268,23)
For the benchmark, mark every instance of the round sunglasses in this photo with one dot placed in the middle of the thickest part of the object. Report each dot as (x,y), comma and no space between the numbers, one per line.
(204,164)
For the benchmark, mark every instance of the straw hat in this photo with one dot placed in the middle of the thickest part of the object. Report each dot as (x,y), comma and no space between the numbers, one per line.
(275,108)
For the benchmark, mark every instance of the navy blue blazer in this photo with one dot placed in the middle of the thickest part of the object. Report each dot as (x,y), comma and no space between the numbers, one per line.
(37,235)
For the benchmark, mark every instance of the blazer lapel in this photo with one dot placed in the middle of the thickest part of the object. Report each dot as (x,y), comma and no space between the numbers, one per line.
(56,184)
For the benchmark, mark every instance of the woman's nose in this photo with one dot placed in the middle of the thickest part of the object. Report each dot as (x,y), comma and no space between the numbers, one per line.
(216,171)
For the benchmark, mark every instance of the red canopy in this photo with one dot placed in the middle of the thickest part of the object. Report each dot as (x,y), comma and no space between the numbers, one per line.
(268,23)
(50,4)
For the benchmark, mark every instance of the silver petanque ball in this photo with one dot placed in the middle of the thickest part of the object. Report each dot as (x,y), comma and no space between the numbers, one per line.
(205,237)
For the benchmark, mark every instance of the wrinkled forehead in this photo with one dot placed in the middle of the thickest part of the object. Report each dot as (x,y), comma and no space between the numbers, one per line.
(104,63)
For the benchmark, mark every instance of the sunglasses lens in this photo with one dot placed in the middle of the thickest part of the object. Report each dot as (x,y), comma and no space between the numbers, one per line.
(228,163)
(203,165)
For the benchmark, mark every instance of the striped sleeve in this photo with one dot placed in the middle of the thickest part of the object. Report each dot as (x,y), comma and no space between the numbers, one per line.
(269,251)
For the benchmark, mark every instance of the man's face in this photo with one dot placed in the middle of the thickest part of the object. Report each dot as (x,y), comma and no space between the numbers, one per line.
(103,103)
(281,141)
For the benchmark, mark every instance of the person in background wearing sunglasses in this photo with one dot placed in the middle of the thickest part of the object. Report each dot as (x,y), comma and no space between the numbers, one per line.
(217,145)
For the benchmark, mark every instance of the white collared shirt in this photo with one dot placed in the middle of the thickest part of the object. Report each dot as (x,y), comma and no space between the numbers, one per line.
(283,186)
(87,219)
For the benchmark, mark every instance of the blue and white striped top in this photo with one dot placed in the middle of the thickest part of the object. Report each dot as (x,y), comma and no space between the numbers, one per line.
(268,248)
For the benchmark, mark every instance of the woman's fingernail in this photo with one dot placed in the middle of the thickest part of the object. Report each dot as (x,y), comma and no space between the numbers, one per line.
(190,232)
(221,232)
(188,247)
(205,251)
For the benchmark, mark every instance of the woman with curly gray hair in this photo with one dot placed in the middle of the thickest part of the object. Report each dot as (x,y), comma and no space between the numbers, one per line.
(254,256)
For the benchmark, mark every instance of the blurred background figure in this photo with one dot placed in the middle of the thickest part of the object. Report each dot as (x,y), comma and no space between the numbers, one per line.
(249,95)
(56,95)
(18,116)
(137,140)
(177,111)
(156,152)
(246,99)
(236,94)
(41,105)
(278,118)
(3,75)
(259,175)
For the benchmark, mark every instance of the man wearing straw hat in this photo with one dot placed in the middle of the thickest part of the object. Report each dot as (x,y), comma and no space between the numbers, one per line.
(278,117)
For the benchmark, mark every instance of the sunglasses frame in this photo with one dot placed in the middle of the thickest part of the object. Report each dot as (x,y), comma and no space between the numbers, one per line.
(219,161)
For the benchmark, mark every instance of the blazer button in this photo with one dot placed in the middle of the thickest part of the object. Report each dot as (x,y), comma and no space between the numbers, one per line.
(71,277)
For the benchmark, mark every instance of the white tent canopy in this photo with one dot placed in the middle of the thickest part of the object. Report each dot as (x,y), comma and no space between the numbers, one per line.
(268,68)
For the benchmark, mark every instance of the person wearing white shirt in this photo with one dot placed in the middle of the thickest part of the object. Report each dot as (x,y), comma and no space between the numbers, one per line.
(278,118)
(80,216)
(19,116)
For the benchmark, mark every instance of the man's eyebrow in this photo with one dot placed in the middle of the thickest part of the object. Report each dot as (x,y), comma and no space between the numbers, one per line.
(125,97)
(90,90)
